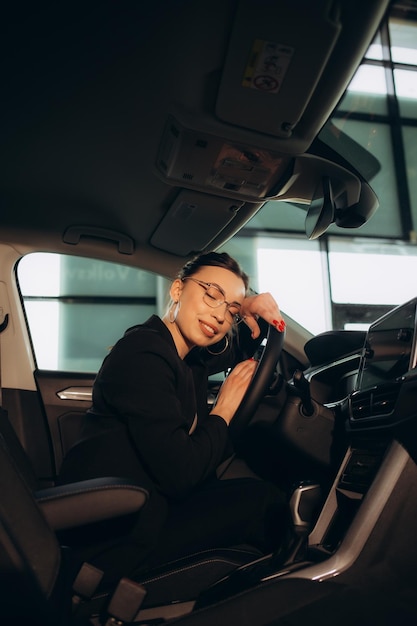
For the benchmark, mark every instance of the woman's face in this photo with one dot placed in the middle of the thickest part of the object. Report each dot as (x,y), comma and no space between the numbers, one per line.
(198,322)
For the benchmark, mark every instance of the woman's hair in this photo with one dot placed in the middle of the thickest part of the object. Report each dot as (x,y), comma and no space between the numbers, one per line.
(214,259)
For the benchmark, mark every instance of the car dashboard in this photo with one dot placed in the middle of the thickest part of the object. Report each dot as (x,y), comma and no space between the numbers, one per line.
(366,516)
(366,380)
(374,399)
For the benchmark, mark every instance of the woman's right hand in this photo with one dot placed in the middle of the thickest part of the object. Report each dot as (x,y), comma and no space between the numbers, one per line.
(233,389)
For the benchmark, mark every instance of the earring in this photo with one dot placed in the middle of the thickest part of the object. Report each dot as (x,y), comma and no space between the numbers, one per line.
(173,311)
(226,345)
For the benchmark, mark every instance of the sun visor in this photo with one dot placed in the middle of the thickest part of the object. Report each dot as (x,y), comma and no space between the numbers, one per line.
(193,217)
(265,86)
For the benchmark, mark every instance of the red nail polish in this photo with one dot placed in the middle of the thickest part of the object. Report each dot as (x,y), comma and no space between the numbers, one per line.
(279,325)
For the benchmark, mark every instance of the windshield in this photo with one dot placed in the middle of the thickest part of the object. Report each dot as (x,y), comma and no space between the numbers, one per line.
(360,273)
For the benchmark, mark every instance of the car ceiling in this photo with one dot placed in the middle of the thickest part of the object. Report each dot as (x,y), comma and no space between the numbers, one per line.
(90,93)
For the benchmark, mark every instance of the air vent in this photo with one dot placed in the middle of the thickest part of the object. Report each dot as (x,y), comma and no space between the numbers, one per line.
(376,402)
(361,406)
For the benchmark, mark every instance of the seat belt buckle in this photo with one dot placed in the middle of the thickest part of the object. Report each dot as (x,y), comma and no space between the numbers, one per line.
(125,602)
(85,584)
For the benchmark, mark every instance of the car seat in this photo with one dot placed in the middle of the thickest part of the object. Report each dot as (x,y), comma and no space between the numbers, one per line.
(34,565)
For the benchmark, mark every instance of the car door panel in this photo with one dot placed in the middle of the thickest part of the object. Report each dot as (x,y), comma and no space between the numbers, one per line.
(65,398)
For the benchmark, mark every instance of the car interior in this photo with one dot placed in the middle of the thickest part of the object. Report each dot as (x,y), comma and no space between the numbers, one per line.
(136,135)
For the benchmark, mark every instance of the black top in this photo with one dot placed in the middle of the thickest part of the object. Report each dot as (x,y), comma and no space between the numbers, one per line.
(149,401)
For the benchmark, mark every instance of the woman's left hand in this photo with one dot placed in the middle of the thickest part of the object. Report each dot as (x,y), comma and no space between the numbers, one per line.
(261,305)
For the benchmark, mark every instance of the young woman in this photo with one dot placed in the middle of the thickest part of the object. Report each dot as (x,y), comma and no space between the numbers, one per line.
(149,421)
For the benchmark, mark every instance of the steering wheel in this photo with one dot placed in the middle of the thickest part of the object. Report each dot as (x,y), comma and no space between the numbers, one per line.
(260,382)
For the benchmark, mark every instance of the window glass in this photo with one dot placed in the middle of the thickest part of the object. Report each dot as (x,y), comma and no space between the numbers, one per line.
(375,49)
(243,249)
(406,88)
(294,271)
(410,148)
(372,272)
(78,308)
(280,216)
(403,35)
(366,92)
(305,282)
(376,139)
(40,274)
(89,277)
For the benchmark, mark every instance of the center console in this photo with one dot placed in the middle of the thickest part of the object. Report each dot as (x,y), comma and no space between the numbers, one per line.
(380,417)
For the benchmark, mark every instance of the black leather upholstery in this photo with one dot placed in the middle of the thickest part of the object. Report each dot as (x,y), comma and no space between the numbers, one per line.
(76,504)
(89,501)
(32,562)
(30,556)
(186,578)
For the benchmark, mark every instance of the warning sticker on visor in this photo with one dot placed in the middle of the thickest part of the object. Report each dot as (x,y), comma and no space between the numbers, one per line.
(267,66)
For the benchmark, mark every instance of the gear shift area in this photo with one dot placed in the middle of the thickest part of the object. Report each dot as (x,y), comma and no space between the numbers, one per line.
(304,507)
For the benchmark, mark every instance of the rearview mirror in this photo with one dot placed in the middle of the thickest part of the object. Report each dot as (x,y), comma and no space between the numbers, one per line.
(321,212)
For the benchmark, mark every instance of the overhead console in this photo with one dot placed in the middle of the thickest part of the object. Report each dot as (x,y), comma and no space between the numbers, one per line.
(217,170)
(279,82)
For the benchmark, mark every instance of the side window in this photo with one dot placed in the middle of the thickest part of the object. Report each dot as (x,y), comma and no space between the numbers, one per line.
(77,308)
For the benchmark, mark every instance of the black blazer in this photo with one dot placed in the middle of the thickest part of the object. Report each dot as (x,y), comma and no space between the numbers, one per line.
(149,419)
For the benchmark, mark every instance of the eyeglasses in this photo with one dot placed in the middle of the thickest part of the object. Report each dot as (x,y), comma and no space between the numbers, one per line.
(214,297)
